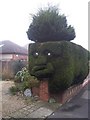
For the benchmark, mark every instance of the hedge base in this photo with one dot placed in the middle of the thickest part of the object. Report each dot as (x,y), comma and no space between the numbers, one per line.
(43,92)
(65,96)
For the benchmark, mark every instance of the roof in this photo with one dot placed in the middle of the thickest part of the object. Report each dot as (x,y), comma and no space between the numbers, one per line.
(8,47)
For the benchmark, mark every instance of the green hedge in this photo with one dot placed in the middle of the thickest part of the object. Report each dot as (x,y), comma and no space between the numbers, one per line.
(49,24)
(64,63)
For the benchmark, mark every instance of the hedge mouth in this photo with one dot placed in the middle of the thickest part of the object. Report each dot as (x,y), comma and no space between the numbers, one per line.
(38,68)
(41,71)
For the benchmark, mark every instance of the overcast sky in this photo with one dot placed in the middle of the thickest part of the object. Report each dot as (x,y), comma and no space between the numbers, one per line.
(15,18)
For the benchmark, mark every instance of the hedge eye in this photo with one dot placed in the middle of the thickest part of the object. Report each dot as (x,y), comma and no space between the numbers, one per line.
(49,54)
(36,54)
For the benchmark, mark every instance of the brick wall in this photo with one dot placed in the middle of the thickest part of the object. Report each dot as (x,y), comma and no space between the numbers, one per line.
(43,92)
(19,57)
(66,95)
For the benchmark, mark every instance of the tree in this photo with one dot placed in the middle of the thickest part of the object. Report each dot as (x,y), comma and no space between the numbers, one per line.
(49,25)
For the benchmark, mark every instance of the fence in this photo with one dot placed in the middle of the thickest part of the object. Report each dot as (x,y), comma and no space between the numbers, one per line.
(9,68)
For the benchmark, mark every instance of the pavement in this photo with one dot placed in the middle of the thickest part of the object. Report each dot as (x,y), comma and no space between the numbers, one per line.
(12,106)
(77,107)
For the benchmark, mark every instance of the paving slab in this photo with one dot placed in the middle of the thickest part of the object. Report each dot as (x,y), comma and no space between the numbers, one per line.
(42,112)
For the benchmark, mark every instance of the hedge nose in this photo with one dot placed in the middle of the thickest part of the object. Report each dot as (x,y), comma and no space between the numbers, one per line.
(68,63)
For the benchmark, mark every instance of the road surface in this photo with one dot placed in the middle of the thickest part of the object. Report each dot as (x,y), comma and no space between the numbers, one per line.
(78,107)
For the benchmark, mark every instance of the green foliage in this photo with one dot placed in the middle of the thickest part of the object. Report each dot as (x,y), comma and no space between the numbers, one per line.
(66,63)
(14,90)
(24,80)
(49,25)
(22,75)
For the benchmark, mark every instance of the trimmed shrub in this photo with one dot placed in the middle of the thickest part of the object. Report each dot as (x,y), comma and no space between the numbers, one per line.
(64,63)
(49,25)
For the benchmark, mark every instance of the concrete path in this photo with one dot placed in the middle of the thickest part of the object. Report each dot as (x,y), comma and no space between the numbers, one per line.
(12,106)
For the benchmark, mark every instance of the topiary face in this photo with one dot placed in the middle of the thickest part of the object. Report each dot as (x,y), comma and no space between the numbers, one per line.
(61,62)
(40,61)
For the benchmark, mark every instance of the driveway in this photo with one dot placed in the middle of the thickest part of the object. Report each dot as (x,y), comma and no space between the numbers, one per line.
(12,106)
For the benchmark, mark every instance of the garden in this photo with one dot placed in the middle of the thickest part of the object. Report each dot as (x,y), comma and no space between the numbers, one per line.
(54,62)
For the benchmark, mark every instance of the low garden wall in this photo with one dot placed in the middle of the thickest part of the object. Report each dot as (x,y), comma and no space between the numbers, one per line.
(43,92)
(67,94)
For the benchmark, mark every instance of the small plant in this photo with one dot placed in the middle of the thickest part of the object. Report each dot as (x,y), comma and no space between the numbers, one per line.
(14,90)
(23,80)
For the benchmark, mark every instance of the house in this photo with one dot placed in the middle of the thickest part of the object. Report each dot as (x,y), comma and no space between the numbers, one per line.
(11,55)
(11,51)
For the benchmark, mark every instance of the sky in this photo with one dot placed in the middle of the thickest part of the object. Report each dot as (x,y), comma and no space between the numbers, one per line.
(15,18)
